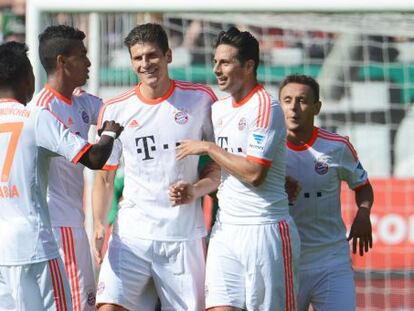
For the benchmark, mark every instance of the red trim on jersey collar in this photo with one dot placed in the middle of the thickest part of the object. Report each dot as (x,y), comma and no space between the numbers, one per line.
(158,100)
(247,97)
(306,145)
(9,100)
(58,95)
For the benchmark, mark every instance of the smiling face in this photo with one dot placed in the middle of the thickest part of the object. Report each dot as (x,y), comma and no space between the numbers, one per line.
(230,73)
(150,63)
(299,106)
(77,64)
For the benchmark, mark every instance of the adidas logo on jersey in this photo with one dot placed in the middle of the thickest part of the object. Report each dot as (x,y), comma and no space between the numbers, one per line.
(133,123)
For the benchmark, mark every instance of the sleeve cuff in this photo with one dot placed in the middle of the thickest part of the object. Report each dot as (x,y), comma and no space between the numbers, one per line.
(263,162)
(359,187)
(81,153)
(110,167)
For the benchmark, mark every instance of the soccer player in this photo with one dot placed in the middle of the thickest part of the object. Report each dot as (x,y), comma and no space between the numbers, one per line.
(254,244)
(63,56)
(32,276)
(319,160)
(155,247)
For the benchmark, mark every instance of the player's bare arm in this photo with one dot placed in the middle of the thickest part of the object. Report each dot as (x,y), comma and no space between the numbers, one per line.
(238,166)
(98,154)
(361,227)
(183,192)
(101,197)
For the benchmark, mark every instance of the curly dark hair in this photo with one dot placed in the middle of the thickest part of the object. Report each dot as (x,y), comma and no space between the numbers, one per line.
(14,63)
(57,40)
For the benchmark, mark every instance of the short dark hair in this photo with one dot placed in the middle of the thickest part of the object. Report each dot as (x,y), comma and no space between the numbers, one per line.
(152,33)
(57,40)
(301,79)
(14,63)
(245,43)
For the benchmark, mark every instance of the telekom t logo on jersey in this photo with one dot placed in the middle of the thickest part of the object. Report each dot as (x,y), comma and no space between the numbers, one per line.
(223,142)
(146,145)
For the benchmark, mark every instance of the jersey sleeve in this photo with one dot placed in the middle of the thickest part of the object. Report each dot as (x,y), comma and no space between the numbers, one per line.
(113,162)
(266,131)
(95,105)
(351,169)
(208,131)
(53,135)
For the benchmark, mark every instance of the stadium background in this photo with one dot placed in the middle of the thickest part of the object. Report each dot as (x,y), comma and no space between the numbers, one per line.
(361,55)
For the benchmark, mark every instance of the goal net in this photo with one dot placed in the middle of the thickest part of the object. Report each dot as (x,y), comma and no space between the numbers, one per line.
(365,65)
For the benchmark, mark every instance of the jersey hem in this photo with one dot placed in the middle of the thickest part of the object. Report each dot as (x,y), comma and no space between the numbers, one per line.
(161,239)
(28,262)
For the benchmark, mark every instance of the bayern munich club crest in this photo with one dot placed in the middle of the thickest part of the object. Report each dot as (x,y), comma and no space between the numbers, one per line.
(181,117)
(242,124)
(85,117)
(321,166)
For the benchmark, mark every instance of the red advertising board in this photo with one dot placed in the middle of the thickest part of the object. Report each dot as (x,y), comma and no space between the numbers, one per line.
(392,219)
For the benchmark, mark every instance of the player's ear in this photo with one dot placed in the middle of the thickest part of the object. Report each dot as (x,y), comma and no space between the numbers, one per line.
(60,61)
(249,64)
(168,56)
(318,106)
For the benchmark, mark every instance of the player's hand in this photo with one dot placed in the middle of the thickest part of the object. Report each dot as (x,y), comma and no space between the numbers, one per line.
(111,126)
(98,242)
(292,189)
(181,193)
(191,147)
(361,229)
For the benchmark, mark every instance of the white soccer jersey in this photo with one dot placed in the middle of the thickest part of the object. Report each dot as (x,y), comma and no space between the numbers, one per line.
(28,139)
(65,191)
(253,128)
(320,166)
(148,143)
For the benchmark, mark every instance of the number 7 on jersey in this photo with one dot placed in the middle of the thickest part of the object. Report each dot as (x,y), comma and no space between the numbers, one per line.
(15,129)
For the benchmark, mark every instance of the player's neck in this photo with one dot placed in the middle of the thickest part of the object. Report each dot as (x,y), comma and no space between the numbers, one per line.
(6,93)
(241,93)
(300,137)
(61,86)
(158,91)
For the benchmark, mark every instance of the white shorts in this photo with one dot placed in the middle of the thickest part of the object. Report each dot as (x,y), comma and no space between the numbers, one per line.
(39,286)
(75,252)
(253,267)
(134,273)
(327,288)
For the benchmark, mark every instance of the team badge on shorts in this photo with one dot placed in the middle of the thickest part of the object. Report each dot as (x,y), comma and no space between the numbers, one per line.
(91,299)
(85,117)
(100,288)
(321,166)
(181,117)
(242,124)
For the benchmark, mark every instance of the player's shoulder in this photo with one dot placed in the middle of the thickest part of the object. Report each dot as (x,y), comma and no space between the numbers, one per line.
(120,99)
(195,88)
(42,99)
(80,93)
(331,136)
(335,139)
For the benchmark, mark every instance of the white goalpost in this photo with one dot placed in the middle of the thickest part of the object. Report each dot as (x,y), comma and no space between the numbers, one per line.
(361,52)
